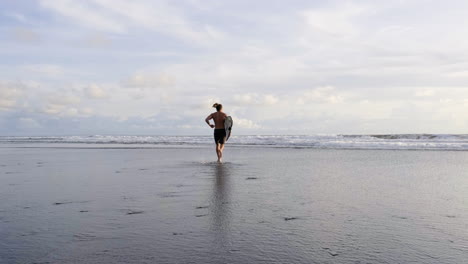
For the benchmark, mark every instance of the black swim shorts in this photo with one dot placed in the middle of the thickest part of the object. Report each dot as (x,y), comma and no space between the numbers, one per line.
(220,135)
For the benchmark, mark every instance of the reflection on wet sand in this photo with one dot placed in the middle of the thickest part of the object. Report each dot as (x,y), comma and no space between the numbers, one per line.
(220,207)
(353,206)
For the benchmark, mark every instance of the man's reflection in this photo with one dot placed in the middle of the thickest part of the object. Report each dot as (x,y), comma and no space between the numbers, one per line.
(220,206)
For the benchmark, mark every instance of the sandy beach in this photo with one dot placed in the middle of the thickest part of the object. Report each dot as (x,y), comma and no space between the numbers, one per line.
(93,204)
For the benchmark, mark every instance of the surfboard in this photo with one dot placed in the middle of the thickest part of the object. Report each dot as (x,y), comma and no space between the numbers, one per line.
(228,126)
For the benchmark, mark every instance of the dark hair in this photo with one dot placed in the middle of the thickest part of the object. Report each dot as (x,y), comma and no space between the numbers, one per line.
(218,106)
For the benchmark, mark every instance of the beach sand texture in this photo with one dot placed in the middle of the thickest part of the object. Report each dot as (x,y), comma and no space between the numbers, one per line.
(263,205)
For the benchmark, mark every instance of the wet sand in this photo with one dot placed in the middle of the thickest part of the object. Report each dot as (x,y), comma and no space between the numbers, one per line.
(263,205)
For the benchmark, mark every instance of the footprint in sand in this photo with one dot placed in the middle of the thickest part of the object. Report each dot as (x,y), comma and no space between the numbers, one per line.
(60,203)
(69,202)
(133,212)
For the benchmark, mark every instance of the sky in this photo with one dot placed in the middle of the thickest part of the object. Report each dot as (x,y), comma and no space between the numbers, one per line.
(150,67)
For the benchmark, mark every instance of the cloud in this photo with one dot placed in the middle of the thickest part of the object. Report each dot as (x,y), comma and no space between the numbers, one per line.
(28,123)
(245,123)
(149,80)
(461,74)
(98,40)
(336,20)
(83,13)
(96,92)
(316,67)
(255,99)
(51,70)
(203,103)
(324,94)
(63,103)
(64,99)
(10,93)
(16,16)
(121,17)
(25,35)
(270,99)
(54,109)
(425,93)
(86,111)
(59,110)
(6,104)
(72,111)
(162,17)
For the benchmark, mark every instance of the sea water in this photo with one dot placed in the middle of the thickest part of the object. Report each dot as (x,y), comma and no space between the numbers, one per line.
(390,141)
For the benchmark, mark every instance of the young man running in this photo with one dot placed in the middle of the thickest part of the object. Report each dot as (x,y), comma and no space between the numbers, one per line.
(219,132)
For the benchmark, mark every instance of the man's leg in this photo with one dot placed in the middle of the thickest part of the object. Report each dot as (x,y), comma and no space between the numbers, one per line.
(221,148)
(218,151)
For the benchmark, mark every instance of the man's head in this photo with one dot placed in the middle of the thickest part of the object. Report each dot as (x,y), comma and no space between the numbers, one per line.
(218,107)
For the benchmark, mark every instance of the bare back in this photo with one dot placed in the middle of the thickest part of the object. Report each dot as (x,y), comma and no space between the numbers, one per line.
(218,118)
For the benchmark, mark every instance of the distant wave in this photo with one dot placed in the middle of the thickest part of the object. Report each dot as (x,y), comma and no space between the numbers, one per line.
(384,141)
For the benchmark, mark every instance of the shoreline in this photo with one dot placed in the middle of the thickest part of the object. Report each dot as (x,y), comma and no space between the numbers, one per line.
(197,146)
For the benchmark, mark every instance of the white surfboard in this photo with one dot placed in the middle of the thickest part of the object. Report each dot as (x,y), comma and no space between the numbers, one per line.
(228,126)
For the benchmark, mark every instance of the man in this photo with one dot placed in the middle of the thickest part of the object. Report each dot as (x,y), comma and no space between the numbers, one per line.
(219,132)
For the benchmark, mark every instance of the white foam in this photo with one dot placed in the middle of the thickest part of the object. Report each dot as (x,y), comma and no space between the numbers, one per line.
(391,141)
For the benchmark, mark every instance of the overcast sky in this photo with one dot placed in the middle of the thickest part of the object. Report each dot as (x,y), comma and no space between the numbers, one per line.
(279,67)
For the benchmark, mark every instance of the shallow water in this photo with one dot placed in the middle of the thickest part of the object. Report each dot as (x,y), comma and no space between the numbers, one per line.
(263,205)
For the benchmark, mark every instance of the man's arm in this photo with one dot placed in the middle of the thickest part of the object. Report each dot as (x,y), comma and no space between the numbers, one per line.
(207,120)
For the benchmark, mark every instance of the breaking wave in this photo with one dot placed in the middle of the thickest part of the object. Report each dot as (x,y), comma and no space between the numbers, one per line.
(388,141)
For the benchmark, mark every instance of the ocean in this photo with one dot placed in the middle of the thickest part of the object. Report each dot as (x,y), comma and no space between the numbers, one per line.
(388,141)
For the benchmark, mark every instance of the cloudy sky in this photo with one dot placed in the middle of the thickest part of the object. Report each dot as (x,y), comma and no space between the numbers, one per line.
(279,67)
